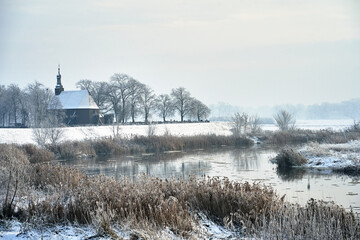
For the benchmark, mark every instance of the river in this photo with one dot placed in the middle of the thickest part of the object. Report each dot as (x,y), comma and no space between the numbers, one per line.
(250,164)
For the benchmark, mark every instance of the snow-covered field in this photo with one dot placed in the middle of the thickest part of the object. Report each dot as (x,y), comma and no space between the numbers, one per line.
(332,156)
(336,125)
(25,135)
(22,136)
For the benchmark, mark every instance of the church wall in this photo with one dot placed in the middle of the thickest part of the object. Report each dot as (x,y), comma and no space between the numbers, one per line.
(81,116)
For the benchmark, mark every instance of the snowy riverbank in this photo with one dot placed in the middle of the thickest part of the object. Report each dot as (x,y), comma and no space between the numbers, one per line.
(332,156)
(25,135)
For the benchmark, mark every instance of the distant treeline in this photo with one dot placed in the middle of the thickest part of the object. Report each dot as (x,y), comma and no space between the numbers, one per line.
(344,110)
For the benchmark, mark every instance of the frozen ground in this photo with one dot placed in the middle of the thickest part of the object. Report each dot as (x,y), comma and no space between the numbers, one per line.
(332,156)
(14,230)
(23,136)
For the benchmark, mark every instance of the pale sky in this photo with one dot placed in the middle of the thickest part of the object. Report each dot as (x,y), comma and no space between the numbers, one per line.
(242,52)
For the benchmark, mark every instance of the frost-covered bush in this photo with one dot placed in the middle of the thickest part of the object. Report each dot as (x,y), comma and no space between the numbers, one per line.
(14,166)
(289,158)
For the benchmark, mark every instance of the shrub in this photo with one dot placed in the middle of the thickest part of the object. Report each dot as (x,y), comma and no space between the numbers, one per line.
(288,158)
(284,120)
(67,150)
(107,146)
(36,154)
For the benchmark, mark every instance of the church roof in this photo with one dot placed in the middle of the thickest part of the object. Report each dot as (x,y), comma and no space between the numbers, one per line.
(73,100)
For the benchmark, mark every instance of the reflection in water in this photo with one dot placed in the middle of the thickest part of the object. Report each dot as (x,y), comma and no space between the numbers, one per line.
(241,165)
(245,159)
(291,174)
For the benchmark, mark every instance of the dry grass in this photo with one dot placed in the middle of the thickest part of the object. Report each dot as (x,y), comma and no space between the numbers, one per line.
(303,136)
(108,146)
(140,144)
(170,143)
(53,194)
(41,194)
(36,154)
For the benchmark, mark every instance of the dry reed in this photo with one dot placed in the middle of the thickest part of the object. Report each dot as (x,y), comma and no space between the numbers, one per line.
(61,195)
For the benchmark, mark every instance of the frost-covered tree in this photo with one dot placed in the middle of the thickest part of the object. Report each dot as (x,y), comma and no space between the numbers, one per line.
(14,94)
(4,104)
(164,106)
(255,124)
(284,120)
(237,123)
(38,99)
(122,88)
(199,110)
(147,100)
(135,99)
(182,102)
(243,124)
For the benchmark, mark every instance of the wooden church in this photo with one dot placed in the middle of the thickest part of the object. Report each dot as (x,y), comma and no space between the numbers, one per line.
(78,106)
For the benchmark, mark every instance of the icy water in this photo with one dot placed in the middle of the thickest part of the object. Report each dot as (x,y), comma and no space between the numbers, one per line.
(241,165)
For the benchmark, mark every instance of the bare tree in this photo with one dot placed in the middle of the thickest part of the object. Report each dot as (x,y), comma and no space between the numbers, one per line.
(151,130)
(14,101)
(237,124)
(122,85)
(114,99)
(255,124)
(182,101)
(50,131)
(4,104)
(135,99)
(199,110)
(147,99)
(38,100)
(241,122)
(245,118)
(164,106)
(284,120)
(98,91)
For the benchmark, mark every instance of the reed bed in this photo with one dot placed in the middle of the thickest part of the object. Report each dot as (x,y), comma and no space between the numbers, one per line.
(141,144)
(47,194)
(298,136)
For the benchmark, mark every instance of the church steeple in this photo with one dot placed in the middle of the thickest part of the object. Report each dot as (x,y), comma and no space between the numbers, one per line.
(59,87)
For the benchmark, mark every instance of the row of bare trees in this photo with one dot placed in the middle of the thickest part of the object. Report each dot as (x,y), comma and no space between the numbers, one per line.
(125,97)
(24,107)
(130,99)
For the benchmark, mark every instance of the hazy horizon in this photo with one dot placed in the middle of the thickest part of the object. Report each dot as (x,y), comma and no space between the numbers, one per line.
(245,53)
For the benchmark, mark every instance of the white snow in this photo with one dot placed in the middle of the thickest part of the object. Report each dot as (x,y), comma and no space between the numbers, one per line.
(73,100)
(15,230)
(319,124)
(23,136)
(330,156)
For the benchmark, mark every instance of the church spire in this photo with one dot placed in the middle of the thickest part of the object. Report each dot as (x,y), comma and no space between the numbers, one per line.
(59,87)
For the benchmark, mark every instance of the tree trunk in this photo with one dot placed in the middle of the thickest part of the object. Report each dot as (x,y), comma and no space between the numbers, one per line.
(146,116)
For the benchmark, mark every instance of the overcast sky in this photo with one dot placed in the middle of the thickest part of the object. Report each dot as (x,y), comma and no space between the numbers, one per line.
(242,52)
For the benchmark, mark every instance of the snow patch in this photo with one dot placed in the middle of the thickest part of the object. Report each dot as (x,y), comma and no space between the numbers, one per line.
(335,156)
